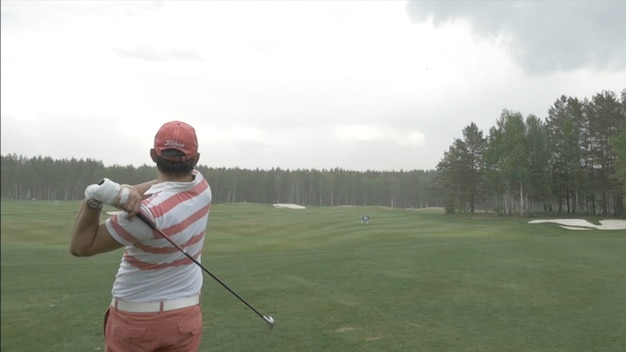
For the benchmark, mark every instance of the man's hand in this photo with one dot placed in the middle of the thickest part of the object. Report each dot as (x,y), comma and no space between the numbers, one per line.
(123,197)
(106,191)
(133,200)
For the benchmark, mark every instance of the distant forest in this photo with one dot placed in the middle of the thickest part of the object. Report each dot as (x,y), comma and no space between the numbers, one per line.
(571,162)
(46,179)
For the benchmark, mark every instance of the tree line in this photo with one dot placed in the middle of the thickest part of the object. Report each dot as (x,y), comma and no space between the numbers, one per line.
(44,178)
(573,161)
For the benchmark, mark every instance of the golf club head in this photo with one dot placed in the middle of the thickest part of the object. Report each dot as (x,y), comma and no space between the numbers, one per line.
(269,320)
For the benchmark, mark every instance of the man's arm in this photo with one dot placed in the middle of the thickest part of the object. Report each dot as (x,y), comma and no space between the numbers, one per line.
(90,237)
(142,188)
(137,195)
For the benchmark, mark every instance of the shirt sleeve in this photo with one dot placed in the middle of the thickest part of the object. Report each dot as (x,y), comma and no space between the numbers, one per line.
(129,232)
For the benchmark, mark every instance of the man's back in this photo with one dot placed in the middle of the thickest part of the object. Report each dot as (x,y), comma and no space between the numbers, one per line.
(151,268)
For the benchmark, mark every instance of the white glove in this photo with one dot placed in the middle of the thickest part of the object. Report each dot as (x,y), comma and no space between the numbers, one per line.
(106,191)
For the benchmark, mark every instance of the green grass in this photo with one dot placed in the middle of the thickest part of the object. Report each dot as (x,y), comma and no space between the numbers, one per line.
(411,280)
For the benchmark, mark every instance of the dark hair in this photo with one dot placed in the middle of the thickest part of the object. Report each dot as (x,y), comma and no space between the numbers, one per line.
(174,168)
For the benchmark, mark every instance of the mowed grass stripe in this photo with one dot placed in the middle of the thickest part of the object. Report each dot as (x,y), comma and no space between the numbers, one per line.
(408,281)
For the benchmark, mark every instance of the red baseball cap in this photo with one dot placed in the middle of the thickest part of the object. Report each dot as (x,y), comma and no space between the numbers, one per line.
(176,135)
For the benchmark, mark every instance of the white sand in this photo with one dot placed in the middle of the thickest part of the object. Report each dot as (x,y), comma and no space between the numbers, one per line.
(289,206)
(575,228)
(579,224)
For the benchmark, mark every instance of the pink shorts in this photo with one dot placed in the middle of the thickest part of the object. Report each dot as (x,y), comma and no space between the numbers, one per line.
(177,330)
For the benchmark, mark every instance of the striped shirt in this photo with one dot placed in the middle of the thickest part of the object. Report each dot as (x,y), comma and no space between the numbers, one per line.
(152,269)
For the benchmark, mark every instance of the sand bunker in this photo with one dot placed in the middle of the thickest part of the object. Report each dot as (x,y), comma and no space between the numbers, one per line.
(579,224)
(289,206)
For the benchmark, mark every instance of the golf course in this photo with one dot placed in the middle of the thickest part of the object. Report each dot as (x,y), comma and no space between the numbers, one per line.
(409,280)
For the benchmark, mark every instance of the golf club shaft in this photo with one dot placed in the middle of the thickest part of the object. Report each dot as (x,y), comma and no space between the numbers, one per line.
(143,218)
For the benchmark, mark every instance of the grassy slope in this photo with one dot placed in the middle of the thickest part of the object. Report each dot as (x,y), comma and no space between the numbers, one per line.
(408,281)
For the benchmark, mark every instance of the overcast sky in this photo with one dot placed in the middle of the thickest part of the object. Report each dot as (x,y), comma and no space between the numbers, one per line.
(360,85)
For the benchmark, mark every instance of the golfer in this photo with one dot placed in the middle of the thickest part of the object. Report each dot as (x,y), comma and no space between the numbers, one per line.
(155,303)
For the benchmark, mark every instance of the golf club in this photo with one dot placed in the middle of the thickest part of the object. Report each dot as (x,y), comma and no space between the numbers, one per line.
(268,319)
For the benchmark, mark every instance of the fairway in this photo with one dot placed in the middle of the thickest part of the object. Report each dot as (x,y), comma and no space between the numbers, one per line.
(410,280)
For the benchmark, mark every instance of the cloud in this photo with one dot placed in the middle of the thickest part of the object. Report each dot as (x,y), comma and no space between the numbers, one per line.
(148,53)
(79,136)
(545,35)
(145,5)
(36,15)
(302,84)
(371,133)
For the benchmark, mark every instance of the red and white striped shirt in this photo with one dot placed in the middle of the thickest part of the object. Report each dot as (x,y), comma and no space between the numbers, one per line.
(151,268)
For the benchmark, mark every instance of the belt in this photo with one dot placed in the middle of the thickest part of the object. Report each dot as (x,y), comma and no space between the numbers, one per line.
(153,307)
